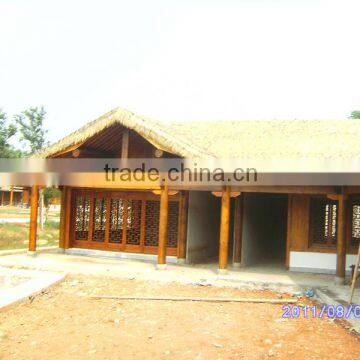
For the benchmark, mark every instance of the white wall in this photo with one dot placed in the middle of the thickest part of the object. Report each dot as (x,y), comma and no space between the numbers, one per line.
(317,262)
(203,226)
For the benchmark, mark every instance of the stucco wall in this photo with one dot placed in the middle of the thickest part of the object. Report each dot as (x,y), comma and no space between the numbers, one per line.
(203,227)
(317,262)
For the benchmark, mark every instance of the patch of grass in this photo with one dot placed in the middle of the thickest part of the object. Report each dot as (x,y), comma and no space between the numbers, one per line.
(20,212)
(16,236)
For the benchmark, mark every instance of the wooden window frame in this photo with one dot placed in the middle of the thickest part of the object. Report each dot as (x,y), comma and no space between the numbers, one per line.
(329,244)
(109,194)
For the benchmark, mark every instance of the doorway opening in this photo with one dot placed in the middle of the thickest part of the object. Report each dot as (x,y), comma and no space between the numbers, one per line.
(264,230)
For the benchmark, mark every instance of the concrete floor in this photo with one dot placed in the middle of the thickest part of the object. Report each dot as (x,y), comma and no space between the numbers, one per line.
(259,277)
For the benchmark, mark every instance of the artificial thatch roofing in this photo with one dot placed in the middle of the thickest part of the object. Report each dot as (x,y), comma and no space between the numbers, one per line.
(271,139)
(155,132)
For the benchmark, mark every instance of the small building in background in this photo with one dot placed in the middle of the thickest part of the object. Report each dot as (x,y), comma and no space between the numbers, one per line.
(14,196)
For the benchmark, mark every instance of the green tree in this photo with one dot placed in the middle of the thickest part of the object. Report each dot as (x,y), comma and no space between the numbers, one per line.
(31,127)
(49,194)
(7,131)
(355,114)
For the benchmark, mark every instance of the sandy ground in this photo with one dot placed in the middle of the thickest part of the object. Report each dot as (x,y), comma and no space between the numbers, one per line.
(65,323)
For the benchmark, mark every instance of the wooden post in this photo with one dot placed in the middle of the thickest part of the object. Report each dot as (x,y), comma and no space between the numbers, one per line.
(183,219)
(341,240)
(238,226)
(62,219)
(163,222)
(11,202)
(67,227)
(25,197)
(2,198)
(224,230)
(288,231)
(34,203)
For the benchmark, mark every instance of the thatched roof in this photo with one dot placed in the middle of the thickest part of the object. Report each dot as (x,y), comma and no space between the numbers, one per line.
(232,139)
(155,132)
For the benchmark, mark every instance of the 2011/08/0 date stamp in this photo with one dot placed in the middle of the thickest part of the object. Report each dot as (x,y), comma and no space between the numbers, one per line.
(330,311)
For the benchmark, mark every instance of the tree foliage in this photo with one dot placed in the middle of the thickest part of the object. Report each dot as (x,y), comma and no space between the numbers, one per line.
(49,194)
(355,114)
(31,127)
(7,131)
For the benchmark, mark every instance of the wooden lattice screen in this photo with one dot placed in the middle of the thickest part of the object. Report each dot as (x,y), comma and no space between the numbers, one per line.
(124,221)
(323,219)
(355,223)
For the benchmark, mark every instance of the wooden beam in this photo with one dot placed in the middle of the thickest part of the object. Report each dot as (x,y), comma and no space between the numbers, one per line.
(182,230)
(91,152)
(170,192)
(125,144)
(34,204)
(224,230)
(341,240)
(287,189)
(238,227)
(67,150)
(163,224)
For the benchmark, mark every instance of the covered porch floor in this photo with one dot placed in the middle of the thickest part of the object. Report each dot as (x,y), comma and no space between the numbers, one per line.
(253,277)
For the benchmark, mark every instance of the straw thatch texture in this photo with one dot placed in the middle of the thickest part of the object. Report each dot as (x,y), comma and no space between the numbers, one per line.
(153,131)
(272,139)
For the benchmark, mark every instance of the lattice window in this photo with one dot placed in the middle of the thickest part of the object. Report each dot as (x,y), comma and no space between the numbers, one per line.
(173,222)
(133,222)
(99,220)
(355,231)
(323,221)
(152,213)
(82,217)
(116,220)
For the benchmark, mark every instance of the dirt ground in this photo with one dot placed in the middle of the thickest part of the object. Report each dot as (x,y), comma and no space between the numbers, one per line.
(65,323)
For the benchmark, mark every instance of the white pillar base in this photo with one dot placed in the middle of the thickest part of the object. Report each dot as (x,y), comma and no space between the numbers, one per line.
(339,280)
(180,261)
(222,271)
(236,265)
(160,266)
(31,253)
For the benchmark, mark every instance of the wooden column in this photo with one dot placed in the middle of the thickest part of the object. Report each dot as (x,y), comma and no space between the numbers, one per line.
(2,198)
(224,230)
(341,240)
(67,227)
(183,219)
(238,226)
(25,197)
(62,218)
(11,201)
(34,203)
(163,222)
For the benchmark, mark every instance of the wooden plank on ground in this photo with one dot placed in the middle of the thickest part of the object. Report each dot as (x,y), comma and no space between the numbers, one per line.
(200,299)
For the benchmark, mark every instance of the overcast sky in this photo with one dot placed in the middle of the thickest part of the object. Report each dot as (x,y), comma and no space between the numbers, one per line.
(179,59)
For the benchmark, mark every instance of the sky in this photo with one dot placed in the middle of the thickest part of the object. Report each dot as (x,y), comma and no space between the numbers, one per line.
(180,59)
